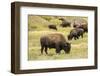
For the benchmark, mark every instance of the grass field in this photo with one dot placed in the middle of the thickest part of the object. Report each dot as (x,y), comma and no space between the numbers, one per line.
(79,48)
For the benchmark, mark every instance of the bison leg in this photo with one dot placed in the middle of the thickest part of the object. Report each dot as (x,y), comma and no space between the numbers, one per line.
(82,35)
(42,49)
(75,38)
(46,50)
(57,49)
(56,29)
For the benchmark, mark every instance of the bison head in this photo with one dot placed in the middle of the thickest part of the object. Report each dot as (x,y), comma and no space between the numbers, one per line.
(67,47)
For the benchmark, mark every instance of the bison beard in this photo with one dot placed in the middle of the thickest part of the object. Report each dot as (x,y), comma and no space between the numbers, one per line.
(56,41)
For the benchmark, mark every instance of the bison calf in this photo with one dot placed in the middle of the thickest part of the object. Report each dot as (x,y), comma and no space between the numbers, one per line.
(52,27)
(56,41)
(64,23)
(75,33)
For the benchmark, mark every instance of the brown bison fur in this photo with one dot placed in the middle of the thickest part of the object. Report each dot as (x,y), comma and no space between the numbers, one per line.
(75,33)
(65,23)
(52,27)
(54,40)
(83,25)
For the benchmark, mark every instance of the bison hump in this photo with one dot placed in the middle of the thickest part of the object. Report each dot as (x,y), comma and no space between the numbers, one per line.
(57,37)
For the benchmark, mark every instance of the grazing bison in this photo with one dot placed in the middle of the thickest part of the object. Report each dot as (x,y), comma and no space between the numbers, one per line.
(75,33)
(52,27)
(64,23)
(81,23)
(56,41)
(84,27)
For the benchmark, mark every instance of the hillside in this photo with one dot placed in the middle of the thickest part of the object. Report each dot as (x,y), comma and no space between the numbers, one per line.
(41,22)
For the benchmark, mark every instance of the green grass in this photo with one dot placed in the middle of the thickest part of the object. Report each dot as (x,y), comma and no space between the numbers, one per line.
(79,48)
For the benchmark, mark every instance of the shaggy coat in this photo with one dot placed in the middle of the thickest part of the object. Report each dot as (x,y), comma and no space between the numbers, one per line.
(56,41)
(64,23)
(75,33)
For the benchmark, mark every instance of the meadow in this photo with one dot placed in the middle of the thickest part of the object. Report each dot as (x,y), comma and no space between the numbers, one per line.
(38,26)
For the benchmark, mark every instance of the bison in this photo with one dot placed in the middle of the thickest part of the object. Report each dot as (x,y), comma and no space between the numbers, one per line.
(75,33)
(54,40)
(52,27)
(64,23)
(84,27)
(81,23)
